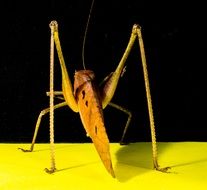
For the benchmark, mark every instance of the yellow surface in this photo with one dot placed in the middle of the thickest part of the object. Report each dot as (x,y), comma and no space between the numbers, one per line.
(79,167)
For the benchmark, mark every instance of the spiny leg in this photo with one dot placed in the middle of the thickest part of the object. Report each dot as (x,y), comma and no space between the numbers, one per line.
(67,88)
(110,84)
(42,113)
(51,108)
(127,123)
(137,30)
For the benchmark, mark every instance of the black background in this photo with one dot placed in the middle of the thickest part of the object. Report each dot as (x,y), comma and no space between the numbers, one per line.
(175,43)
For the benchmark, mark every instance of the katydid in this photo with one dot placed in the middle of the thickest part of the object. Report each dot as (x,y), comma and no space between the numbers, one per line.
(89,99)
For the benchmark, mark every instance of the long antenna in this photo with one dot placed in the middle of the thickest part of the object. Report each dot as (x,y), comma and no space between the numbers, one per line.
(85,34)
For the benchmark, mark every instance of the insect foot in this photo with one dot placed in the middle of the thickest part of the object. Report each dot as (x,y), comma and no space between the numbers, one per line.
(164,170)
(51,170)
(25,150)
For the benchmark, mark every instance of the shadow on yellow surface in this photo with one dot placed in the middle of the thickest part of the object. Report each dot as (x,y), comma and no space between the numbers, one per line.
(137,155)
(79,167)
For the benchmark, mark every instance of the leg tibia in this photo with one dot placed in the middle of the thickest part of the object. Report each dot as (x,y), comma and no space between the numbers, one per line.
(42,113)
(128,120)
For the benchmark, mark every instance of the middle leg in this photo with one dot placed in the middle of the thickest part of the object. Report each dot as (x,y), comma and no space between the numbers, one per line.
(128,120)
(42,113)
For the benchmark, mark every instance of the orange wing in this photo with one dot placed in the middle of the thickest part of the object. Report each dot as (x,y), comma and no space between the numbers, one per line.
(91,113)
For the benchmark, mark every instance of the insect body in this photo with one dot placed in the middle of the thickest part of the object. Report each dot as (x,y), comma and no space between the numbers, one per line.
(90,109)
(89,100)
